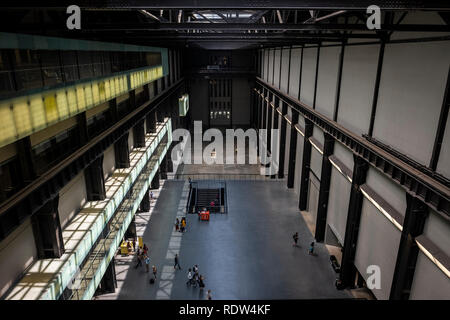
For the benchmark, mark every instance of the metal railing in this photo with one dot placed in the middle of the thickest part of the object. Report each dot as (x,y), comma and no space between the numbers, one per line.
(89,270)
(222,176)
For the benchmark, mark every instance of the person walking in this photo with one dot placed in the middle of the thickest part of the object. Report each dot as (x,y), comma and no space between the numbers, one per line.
(177,262)
(311,248)
(177,225)
(139,260)
(209,296)
(147,263)
(145,248)
(151,196)
(189,276)
(201,283)
(295,237)
(183,224)
(154,271)
(195,269)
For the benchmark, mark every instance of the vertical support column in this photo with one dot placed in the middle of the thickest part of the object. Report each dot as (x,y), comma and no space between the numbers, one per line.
(275,127)
(163,167)
(348,269)
(413,225)
(139,134)
(270,110)
(325,177)
(263,109)
(132,99)
(339,80)
(108,283)
(122,152)
(82,128)
(155,181)
(25,157)
(282,141)
(151,121)
(95,180)
(306,164)
(292,150)
(47,231)
(113,110)
(169,158)
(145,202)
(160,113)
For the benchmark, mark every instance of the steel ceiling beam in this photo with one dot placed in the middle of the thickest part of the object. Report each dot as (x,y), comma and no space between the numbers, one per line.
(238,4)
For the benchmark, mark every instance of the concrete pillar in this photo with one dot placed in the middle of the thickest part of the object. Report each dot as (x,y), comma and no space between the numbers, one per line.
(306,162)
(155,181)
(292,151)
(47,231)
(282,141)
(348,269)
(122,152)
(324,191)
(139,134)
(95,181)
(413,225)
(145,202)
(151,121)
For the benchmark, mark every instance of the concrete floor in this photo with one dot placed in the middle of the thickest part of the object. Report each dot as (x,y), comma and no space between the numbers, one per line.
(245,254)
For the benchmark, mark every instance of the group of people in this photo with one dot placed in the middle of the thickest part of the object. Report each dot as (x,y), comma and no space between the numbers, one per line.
(180,225)
(311,246)
(194,278)
(142,256)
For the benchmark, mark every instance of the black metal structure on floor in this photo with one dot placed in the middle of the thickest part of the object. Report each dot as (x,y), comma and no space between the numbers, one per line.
(207,194)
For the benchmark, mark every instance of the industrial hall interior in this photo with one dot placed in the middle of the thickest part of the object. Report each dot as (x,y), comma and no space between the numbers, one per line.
(225,150)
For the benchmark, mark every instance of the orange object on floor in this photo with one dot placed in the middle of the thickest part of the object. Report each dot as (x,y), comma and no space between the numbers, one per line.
(204,215)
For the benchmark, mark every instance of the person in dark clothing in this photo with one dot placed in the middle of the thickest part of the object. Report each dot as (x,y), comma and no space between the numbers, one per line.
(295,237)
(154,271)
(139,260)
(177,262)
(201,284)
(311,248)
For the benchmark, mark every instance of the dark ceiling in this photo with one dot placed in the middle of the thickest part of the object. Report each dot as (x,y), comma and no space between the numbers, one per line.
(220,24)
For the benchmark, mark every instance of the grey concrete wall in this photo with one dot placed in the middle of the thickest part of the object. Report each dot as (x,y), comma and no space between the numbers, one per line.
(270,66)
(410,99)
(71,198)
(389,191)
(338,201)
(240,101)
(357,87)
(17,252)
(378,242)
(284,70)
(429,282)
(308,75)
(327,80)
(199,100)
(294,74)
(276,78)
(109,162)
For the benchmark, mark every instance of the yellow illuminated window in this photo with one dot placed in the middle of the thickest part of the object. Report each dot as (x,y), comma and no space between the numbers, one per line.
(102,90)
(7,127)
(116,86)
(81,99)
(88,95)
(132,80)
(72,101)
(107,90)
(37,112)
(95,93)
(51,110)
(61,102)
